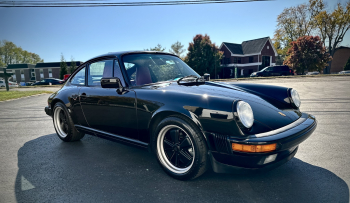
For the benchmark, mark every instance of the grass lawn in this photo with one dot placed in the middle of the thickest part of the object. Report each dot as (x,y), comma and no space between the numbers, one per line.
(4,95)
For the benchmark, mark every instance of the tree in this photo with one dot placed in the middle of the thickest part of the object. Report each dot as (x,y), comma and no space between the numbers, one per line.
(292,23)
(156,48)
(73,65)
(307,53)
(63,66)
(347,65)
(312,18)
(11,54)
(332,26)
(204,56)
(177,49)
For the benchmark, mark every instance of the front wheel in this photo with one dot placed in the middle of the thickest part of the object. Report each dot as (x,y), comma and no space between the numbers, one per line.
(180,147)
(64,125)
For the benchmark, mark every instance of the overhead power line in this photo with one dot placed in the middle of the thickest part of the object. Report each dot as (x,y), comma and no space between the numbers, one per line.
(65,3)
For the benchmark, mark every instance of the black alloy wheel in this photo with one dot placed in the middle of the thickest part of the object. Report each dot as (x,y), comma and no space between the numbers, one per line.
(177,148)
(180,148)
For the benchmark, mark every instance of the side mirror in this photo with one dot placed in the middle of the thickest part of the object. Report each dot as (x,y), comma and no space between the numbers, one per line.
(110,83)
(206,76)
(113,83)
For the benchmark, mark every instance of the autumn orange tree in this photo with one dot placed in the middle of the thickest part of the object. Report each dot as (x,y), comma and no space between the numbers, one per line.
(307,53)
(203,55)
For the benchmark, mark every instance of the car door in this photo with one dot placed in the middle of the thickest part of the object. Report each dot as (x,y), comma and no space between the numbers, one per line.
(268,71)
(45,82)
(72,89)
(104,108)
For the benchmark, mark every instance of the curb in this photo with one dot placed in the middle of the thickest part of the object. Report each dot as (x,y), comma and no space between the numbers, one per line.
(24,97)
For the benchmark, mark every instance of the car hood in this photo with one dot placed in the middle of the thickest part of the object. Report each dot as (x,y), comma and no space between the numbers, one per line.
(266,111)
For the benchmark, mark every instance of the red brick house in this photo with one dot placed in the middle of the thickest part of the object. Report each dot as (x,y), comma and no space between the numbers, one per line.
(249,56)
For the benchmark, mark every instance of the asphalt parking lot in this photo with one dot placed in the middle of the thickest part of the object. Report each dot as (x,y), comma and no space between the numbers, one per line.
(36,166)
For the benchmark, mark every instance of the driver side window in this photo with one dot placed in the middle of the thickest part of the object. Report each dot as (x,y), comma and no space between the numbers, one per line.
(99,70)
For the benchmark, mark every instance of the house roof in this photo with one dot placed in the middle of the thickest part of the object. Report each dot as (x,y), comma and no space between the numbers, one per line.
(20,66)
(247,47)
(55,64)
(254,46)
(234,48)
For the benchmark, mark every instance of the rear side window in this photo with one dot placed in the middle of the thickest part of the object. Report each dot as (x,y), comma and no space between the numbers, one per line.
(79,78)
(276,68)
(285,68)
(99,70)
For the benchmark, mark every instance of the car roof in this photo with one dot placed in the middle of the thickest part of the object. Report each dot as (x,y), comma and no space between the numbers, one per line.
(120,53)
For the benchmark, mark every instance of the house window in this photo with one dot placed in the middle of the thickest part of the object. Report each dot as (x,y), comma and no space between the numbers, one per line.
(22,74)
(50,72)
(234,60)
(268,47)
(251,59)
(41,73)
(238,60)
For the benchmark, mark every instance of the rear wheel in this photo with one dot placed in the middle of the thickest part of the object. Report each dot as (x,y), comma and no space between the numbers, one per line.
(180,147)
(64,125)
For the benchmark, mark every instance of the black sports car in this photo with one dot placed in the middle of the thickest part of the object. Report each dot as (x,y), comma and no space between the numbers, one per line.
(47,81)
(153,100)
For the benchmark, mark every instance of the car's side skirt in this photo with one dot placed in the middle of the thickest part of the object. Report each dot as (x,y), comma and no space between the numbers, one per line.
(112,137)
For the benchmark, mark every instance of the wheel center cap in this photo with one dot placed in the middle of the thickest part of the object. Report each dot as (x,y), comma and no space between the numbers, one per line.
(176,148)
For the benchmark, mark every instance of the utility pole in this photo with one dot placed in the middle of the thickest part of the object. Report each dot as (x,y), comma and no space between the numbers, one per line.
(6,80)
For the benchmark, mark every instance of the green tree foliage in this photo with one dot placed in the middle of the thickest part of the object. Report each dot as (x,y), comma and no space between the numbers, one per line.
(156,48)
(292,23)
(73,66)
(12,54)
(204,56)
(307,53)
(63,66)
(177,49)
(347,65)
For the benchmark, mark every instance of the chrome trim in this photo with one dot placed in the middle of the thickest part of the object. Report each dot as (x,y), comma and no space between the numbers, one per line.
(280,130)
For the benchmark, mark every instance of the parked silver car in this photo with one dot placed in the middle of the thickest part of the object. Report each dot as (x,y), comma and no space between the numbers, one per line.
(344,72)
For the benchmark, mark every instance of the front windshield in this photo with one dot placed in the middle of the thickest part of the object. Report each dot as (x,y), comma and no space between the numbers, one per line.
(151,68)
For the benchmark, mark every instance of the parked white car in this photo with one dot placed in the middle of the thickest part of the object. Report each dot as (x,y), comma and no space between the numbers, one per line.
(313,73)
(344,72)
(11,84)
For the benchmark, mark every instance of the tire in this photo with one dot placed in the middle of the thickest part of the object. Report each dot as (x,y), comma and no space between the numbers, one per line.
(180,148)
(64,125)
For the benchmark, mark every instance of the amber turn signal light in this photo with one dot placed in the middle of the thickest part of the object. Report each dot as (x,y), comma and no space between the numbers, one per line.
(253,148)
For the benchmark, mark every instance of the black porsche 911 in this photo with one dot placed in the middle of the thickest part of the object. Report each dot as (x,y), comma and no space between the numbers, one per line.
(155,101)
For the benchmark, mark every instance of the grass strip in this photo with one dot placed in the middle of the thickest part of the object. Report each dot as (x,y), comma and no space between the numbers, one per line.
(4,95)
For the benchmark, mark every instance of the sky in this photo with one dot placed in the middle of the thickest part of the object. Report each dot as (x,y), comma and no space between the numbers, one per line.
(83,33)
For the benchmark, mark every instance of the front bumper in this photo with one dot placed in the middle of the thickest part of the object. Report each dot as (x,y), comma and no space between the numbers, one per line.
(48,111)
(224,160)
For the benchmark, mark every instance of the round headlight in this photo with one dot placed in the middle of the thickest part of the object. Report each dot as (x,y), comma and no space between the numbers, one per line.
(245,114)
(295,97)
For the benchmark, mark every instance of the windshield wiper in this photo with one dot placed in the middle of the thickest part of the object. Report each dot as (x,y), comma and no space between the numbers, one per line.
(196,81)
